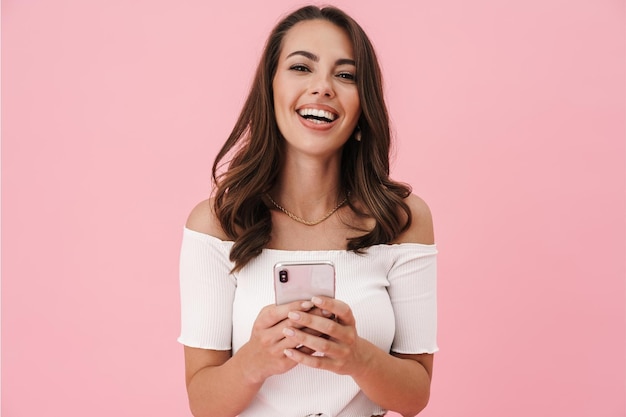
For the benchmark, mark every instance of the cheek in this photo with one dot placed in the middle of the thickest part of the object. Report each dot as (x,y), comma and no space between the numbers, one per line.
(277,89)
(355,107)
(278,98)
(281,97)
(281,113)
(354,104)
(279,106)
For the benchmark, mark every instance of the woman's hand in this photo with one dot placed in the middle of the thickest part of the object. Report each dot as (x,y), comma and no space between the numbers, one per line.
(264,352)
(337,346)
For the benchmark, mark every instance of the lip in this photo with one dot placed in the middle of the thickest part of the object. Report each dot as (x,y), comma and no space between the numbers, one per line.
(313,125)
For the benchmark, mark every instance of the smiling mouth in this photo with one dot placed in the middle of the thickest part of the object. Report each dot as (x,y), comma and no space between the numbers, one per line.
(317,116)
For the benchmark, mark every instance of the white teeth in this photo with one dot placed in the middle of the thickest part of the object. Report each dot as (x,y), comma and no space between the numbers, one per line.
(317,113)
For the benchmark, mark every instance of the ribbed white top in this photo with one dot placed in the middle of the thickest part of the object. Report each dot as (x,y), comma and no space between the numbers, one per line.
(391,290)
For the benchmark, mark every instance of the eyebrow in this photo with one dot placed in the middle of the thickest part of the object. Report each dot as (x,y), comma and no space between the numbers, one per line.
(315,58)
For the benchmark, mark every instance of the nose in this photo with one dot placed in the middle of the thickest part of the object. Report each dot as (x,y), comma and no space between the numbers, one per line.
(321,85)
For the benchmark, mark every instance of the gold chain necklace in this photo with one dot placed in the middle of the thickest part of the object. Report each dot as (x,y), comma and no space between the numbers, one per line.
(300,219)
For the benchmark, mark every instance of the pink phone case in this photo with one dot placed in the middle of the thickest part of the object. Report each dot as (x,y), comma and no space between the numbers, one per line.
(295,281)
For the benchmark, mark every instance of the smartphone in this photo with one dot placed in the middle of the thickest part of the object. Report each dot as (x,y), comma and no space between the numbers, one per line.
(295,281)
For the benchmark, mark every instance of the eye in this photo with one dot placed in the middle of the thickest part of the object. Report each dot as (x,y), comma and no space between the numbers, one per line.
(346,76)
(299,68)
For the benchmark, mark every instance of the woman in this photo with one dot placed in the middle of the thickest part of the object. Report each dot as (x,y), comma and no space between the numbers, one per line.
(305,176)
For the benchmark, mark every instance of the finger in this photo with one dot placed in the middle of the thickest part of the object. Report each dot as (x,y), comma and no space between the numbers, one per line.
(318,344)
(320,312)
(276,333)
(276,343)
(341,310)
(271,315)
(304,349)
(316,325)
(310,360)
(312,332)
(302,327)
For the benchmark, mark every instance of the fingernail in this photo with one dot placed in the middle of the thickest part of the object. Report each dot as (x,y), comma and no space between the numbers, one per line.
(288,332)
(317,301)
(327,313)
(293,315)
(288,352)
(307,305)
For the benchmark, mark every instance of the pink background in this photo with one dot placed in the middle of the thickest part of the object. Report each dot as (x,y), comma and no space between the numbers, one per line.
(510,119)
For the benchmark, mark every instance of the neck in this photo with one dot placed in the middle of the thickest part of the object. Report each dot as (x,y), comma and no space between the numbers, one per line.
(308,190)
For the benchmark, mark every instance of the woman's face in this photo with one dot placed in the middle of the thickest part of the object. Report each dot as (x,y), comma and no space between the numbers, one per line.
(315,94)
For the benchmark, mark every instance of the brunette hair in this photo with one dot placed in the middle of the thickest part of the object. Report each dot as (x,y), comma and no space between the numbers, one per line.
(255,144)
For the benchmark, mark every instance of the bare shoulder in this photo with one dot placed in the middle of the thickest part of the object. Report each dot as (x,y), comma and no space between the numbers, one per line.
(203,219)
(421,229)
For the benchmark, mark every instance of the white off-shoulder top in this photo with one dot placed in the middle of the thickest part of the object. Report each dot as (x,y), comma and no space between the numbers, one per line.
(391,290)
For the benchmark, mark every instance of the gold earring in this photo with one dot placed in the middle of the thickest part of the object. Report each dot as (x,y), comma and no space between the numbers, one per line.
(357,134)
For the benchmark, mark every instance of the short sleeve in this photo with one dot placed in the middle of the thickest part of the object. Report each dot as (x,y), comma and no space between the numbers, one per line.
(207,290)
(413,293)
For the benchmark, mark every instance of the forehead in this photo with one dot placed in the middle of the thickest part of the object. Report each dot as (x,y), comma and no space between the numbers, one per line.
(320,37)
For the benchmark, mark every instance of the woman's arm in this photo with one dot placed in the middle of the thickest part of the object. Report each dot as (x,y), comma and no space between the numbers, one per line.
(398,382)
(218,383)
(214,381)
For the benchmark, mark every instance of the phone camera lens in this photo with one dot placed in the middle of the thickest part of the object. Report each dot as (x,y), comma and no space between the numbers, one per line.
(282,276)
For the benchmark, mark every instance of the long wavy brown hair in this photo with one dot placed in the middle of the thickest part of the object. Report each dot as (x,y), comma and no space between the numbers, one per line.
(247,166)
